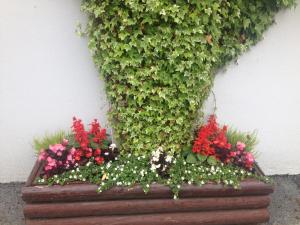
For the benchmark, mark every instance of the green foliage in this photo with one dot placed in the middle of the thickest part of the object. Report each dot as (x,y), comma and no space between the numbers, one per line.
(159,57)
(132,170)
(249,138)
(48,139)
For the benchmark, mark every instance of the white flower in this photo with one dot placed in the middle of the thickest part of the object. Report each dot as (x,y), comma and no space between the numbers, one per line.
(153,167)
(169,158)
(175,197)
(112,146)
(147,185)
(189,182)
(157,166)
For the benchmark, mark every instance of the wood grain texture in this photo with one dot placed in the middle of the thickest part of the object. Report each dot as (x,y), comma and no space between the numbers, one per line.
(87,192)
(228,217)
(80,209)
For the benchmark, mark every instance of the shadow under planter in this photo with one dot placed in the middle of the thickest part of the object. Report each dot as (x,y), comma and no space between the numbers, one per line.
(80,204)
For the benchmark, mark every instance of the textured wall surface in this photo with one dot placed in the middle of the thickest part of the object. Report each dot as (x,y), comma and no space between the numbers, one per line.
(47,76)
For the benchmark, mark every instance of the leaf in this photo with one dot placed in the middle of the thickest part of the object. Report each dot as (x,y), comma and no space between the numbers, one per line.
(201,158)
(191,158)
(186,151)
(211,160)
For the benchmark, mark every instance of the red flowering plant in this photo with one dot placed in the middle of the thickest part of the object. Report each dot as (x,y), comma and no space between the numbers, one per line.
(211,144)
(80,147)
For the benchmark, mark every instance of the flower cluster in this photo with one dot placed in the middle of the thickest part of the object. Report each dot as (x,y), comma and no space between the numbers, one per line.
(160,161)
(241,157)
(78,148)
(89,141)
(57,158)
(212,141)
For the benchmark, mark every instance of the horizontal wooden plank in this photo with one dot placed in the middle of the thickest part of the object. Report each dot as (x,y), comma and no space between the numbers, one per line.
(228,217)
(119,207)
(87,192)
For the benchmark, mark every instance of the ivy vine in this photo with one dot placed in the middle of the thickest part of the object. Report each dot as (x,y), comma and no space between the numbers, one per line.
(159,58)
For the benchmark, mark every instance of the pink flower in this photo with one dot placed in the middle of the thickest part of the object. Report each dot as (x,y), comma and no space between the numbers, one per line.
(65,142)
(57,147)
(51,162)
(249,157)
(43,155)
(232,154)
(240,146)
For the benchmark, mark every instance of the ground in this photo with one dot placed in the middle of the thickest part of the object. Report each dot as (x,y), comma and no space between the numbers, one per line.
(284,209)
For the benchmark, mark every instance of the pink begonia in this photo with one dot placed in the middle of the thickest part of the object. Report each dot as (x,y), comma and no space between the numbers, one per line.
(51,162)
(43,155)
(240,146)
(65,142)
(57,147)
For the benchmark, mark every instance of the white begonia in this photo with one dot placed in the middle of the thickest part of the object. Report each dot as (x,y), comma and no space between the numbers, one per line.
(157,166)
(108,165)
(147,185)
(77,169)
(169,158)
(189,182)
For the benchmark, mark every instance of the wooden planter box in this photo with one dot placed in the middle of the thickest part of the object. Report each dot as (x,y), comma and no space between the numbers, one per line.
(80,204)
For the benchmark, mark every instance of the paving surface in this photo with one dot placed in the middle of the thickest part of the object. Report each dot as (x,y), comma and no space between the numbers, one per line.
(285,207)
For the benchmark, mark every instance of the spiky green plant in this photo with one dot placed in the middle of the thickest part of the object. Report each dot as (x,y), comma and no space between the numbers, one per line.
(249,138)
(40,143)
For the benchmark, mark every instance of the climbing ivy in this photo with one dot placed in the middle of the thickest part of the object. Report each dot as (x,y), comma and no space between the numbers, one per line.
(159,57)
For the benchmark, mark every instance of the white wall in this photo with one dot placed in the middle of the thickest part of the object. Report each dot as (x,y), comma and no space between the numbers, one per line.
(47,76)
(262,93)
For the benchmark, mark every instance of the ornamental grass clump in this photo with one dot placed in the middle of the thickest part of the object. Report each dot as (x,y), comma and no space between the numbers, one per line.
(158,59)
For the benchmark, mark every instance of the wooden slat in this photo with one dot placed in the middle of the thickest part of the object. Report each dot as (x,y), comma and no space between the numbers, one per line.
(34,173)
(87,192)
(229,217)
(123,207)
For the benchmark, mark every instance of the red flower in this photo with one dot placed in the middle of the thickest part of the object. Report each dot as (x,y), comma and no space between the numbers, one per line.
(99,160)
(80,134)
(212,141)
(97,152)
